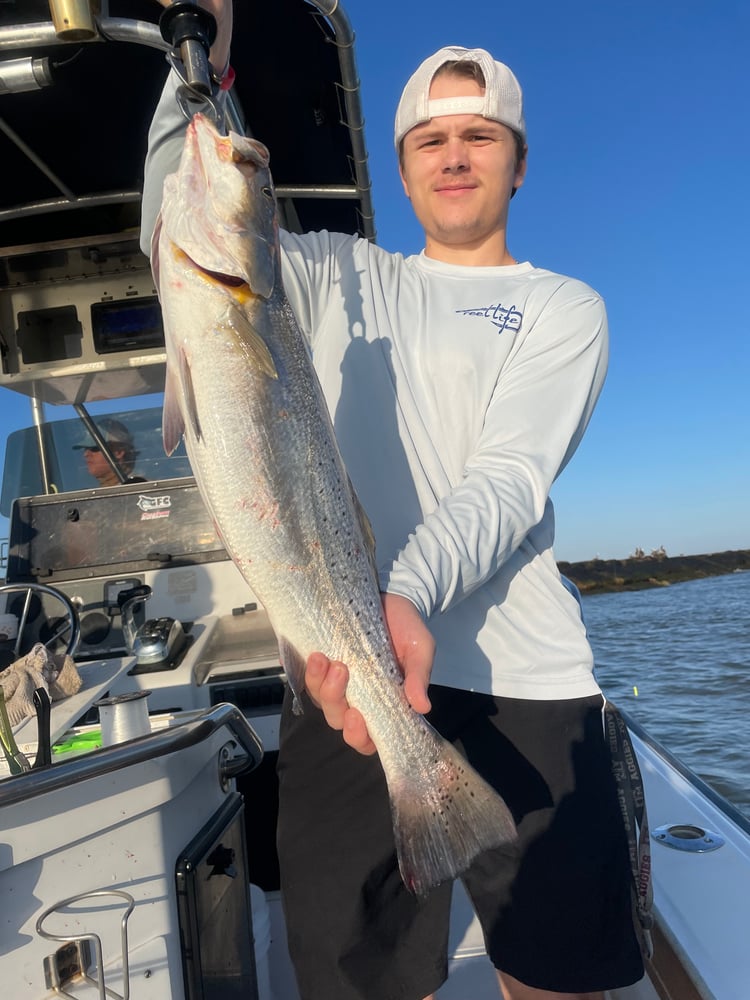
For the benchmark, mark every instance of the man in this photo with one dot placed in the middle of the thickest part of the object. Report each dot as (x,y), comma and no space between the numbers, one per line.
(460,382)
(120,445)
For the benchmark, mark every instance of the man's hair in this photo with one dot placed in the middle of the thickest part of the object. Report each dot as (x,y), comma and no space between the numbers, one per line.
(466,69)
(119,438)
(129,454)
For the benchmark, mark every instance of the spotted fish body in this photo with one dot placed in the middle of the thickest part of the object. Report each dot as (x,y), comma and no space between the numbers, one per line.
(242,391)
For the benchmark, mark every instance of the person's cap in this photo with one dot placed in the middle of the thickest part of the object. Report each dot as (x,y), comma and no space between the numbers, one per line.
(502,100)
(112,431)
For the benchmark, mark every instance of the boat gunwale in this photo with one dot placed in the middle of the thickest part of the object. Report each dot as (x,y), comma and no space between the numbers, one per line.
(731,812)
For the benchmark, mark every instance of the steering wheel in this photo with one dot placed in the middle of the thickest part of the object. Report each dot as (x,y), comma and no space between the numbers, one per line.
(72,622)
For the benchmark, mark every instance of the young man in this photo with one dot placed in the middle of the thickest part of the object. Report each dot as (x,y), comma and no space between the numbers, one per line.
(460,382)
(120,443)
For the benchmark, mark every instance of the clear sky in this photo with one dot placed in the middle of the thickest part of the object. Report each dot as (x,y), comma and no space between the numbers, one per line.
(639,176)
(639,169)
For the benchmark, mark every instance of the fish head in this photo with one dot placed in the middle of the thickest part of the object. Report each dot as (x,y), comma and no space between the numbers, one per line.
(220,207)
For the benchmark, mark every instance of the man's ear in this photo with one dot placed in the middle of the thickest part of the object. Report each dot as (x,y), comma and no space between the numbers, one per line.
(521,168)
(403,179)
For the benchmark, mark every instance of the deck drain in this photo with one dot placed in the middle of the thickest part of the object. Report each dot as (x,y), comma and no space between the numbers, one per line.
(683,837)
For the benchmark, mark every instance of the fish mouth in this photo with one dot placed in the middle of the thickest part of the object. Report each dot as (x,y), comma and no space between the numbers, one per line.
(230,280)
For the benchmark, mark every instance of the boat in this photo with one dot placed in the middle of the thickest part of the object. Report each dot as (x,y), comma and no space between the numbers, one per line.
(137,852)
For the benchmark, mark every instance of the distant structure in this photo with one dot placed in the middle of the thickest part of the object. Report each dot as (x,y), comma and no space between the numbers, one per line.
(660,553)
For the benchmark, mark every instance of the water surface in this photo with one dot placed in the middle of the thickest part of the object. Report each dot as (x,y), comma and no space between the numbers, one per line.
(677,660)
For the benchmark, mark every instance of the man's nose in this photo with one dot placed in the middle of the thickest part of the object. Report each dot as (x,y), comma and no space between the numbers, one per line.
(455,155)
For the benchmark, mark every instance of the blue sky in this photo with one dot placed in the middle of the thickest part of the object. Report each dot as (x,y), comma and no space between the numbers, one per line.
(637,116)
(639,159)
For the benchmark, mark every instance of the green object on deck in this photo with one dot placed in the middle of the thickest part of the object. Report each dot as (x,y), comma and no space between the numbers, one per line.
(79,742)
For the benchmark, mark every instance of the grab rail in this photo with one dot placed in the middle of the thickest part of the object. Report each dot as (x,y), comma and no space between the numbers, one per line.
(107,760)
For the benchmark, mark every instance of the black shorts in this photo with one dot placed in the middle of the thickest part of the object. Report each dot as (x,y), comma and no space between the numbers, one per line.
(555,909)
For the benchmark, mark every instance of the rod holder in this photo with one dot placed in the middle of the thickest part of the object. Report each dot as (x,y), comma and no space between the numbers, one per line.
(86,943)
(73,20)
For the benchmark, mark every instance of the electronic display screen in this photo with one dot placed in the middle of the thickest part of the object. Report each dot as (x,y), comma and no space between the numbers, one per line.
(127,324)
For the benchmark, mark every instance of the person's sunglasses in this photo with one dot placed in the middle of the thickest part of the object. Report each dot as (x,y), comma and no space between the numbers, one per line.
(92,447)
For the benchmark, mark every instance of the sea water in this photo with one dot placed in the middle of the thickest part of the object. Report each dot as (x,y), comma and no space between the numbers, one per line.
(676,659)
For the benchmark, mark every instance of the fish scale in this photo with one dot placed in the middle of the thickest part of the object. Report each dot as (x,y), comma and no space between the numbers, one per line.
(242,391)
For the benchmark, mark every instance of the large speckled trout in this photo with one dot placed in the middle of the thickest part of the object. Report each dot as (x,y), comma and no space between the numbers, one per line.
(242,390)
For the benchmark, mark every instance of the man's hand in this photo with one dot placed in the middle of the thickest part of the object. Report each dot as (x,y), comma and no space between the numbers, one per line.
(414,646)
(326,681)
(222,11)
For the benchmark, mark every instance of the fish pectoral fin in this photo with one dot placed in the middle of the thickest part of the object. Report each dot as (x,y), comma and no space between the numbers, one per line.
(294,668)
(173,426)
(251,342)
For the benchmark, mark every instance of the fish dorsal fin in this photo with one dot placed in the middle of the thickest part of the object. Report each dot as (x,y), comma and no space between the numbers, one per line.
(251,342)
(366,527)
(172,425)
(294,668)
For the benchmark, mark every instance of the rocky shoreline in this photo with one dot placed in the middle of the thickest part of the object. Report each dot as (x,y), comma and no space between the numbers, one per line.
(598,576)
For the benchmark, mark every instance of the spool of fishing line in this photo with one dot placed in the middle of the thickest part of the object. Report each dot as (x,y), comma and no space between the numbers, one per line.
(124,717)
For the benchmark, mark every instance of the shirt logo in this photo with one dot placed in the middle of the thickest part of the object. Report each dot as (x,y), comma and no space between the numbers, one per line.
(503,317)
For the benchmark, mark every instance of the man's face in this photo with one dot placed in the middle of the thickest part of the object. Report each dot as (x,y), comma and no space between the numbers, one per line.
(99,467)
(459,171)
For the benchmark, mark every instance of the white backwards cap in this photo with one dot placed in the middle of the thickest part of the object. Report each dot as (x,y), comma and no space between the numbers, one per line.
(502,100)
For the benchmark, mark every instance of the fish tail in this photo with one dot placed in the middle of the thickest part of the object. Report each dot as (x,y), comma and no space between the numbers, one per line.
(440,830)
